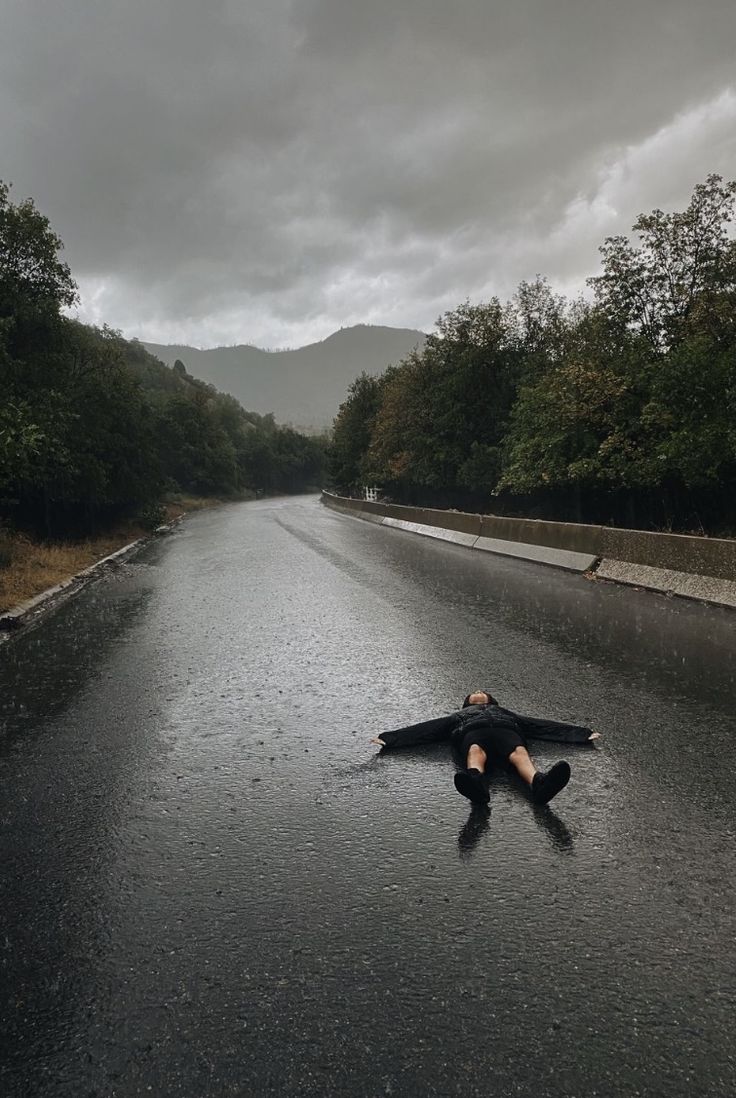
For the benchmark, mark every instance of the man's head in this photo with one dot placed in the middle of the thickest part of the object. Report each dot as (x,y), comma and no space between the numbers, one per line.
(480,697)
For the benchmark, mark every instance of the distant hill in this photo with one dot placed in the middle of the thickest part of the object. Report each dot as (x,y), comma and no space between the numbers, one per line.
(303,387)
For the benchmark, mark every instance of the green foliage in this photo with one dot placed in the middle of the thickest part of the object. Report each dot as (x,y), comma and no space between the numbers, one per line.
(77,433)
(93,427)
(195,450)
(624,406)
(7,552)
(151,516)
(21,441)
(402,420)
(682,279)
(299,460)
(352,432)
(691,414)
(544,325)
(578,421)
(32,278)
(444,409)
(630,398)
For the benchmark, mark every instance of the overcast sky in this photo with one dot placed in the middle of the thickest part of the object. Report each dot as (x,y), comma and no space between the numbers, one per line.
(267,171)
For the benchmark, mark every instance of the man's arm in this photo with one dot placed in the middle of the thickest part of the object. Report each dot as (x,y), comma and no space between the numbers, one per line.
(427,732)
(537,728)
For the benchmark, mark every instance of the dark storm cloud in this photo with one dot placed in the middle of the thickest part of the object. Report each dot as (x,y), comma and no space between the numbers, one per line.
(268,171)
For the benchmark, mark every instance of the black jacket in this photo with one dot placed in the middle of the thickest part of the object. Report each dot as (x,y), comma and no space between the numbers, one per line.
(454,726)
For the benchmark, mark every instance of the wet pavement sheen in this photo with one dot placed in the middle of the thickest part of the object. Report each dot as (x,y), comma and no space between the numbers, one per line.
(213,885)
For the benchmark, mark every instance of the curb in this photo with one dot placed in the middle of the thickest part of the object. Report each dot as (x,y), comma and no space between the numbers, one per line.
(685,585)
(18,616)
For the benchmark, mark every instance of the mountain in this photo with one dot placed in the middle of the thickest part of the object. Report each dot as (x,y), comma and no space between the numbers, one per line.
(302,387)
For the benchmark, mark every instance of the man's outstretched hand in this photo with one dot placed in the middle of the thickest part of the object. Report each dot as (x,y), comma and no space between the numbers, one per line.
(379,742)
(594,736)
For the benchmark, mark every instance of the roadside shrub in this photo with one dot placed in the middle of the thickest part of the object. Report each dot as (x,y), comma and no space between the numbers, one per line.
(151,516)
(6,550)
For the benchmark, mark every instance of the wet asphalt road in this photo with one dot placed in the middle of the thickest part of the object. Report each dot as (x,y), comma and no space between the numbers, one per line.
(212,885)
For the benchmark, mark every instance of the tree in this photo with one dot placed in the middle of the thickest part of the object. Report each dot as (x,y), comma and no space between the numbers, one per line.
(257,460)
(401,421)
(195,452)
(444,409)
(299,461)
(351,433)
(91,425)
(32,278)
(543,322)
(22,441)
(690,416)
(81,436)
(682,278)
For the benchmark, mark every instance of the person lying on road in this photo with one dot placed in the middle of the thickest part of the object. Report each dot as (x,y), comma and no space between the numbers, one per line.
(482,733)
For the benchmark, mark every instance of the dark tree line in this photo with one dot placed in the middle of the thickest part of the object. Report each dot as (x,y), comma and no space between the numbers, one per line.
(93,428)
(619,410)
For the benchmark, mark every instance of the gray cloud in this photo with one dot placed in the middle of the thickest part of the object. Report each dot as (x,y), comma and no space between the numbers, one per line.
(269,171)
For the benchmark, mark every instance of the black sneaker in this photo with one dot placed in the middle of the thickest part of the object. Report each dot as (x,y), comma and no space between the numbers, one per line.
(472,784)
(546,786)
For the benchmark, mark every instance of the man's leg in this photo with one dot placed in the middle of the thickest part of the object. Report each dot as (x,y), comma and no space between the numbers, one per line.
(471,781)
(543,786)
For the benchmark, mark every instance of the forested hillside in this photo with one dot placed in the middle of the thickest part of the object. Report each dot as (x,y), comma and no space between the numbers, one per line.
(93,428)
(620,409)
(303,386)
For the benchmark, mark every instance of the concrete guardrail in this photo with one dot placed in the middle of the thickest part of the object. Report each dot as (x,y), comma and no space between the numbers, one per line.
(682,564)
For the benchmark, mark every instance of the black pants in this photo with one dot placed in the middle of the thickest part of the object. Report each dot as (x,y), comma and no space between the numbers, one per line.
(496,740)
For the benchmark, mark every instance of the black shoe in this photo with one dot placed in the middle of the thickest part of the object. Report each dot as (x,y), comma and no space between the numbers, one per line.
(472,785)
(546,786)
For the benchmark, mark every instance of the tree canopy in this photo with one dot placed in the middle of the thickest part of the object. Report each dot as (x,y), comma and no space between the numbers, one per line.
(621,408)
(93,427)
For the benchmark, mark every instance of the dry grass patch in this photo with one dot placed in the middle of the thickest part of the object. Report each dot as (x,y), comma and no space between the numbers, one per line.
(29,567)
(36,566)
